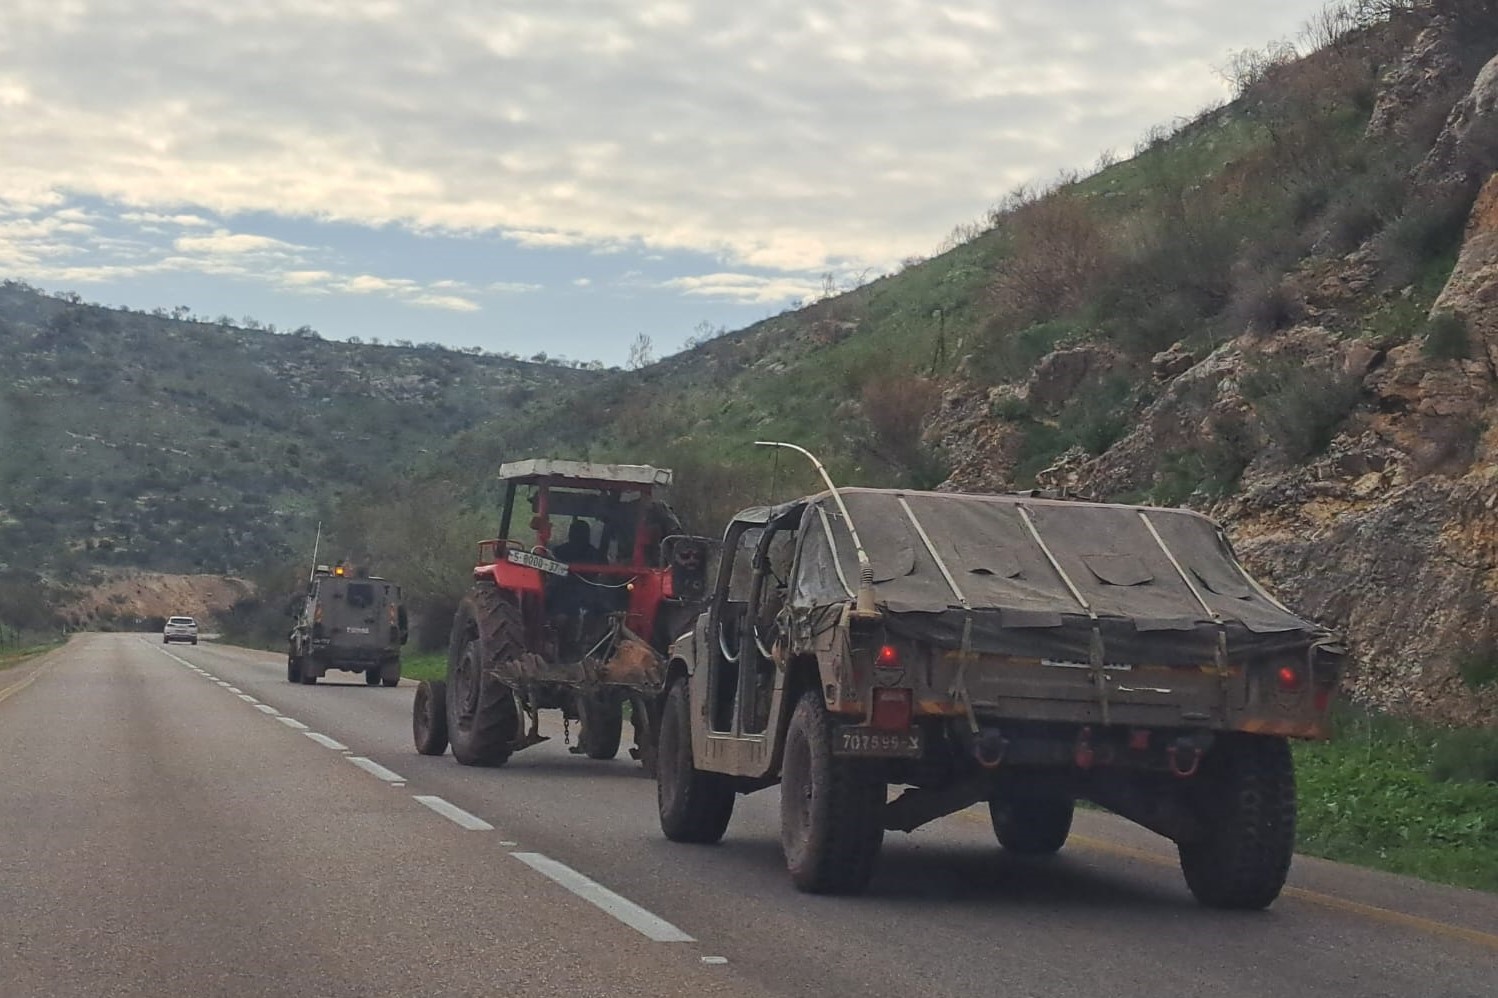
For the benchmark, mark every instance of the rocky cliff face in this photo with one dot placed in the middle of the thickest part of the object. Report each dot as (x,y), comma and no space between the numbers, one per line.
(1388,533)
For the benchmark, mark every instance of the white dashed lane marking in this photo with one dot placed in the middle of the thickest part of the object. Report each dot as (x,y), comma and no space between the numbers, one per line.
(375,769)
(457,815)
(326,742)
(265,708)
(646,923)
(292,723)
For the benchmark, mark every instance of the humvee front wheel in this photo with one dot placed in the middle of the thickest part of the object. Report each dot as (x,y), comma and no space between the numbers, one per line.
(1031,824)
(602,727)
(482,718)
(293,669)
(831,809)
(429,717)
(371,677)
(1244,797)
(694,806)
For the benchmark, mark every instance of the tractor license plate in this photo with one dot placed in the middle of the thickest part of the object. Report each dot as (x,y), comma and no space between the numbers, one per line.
(536,561)
(872,742)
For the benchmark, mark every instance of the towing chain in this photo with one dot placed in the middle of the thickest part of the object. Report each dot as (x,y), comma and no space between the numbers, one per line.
(566,730)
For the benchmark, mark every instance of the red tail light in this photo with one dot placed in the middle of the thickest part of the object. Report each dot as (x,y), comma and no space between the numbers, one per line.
(892,709)
(668,585)
(1323,698)
(888,658)
(1288,678)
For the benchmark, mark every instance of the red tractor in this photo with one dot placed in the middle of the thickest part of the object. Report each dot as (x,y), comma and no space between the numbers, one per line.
(578,625)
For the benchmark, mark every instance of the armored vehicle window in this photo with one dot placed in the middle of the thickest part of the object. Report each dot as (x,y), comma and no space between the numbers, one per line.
(360,595)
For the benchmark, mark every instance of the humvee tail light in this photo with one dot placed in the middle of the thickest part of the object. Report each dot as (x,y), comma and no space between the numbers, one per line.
(887,658)
(892,709)
(338,570)
(1288,678)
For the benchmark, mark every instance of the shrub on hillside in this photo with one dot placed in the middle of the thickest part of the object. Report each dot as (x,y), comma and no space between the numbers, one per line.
(897,406)
(1299,407)
(1446,337)
(1061,252)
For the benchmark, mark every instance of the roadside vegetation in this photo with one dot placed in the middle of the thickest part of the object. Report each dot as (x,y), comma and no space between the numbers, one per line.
(10,657)
(1401,796)
(424,665)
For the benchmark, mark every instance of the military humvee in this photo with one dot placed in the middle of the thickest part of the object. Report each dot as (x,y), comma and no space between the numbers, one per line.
(1015,651)
(349,621)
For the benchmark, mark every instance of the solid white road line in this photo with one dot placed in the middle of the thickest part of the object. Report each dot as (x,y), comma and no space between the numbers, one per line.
(649,925)
(375,769)
(326,742)
(266,708)
(456,814)
(291,722)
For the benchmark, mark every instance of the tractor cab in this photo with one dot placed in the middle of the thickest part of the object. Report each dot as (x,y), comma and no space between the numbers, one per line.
(591,551)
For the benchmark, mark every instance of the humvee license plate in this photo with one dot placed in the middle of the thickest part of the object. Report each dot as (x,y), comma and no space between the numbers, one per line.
(872,742)
(536,561)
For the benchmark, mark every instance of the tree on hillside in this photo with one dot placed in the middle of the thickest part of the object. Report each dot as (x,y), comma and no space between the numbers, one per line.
(641,353)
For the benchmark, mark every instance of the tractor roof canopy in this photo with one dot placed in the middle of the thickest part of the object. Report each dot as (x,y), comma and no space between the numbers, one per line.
(581,474)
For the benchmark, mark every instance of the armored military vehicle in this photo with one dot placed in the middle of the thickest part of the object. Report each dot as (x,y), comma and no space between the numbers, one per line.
(579,626)
(1015,651)
(349,621)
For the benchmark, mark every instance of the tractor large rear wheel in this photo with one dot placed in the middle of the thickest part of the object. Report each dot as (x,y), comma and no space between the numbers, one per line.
(483,720)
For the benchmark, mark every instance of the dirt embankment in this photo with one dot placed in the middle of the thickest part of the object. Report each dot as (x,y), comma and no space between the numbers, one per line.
(135,597)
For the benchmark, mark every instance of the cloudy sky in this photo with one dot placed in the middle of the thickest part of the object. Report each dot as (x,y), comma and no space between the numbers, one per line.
(561,175)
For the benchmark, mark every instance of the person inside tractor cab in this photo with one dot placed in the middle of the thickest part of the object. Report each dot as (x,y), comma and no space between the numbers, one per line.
(574,603)
(578,548)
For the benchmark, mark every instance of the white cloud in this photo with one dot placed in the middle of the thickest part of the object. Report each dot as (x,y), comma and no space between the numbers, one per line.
(749,289)
(226,243)
(790,135)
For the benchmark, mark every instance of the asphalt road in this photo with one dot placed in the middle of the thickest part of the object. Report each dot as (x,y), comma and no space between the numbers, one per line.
(182,821)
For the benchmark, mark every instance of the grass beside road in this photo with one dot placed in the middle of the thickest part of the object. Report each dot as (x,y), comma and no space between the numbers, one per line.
(1402,796)
(429,665)
(15,656)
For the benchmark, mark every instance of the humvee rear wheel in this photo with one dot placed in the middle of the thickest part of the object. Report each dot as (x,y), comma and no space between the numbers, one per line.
(391,681)
(482,718)
(694,806)
(293,669)
(831,809)
(1031,824)
(371,677)
(429,717)
(602,727)
(306,676)
(1244,797)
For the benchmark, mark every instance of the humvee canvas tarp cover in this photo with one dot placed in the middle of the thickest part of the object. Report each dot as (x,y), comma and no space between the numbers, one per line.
(1020,575)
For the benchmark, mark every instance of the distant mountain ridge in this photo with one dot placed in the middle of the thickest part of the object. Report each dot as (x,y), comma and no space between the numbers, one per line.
(129,439)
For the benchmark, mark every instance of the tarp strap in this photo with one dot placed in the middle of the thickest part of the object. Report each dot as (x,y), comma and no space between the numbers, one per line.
(958,689)
(941,565)
(1095,651)
(1206,607)
(1221,657)
(837,562)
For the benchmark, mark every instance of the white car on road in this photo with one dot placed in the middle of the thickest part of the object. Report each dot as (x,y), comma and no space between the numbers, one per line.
(179,629)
